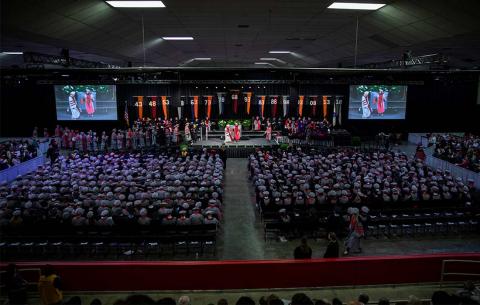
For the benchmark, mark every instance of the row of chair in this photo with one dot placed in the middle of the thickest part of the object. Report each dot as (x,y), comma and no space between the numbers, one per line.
(188,240)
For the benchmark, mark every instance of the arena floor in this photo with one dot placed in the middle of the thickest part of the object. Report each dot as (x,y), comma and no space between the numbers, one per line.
(242,237)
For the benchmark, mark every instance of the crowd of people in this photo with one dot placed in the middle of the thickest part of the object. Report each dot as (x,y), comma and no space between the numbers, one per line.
(13,152)
(463,151)
(347,177)
(118,189)
(143,134)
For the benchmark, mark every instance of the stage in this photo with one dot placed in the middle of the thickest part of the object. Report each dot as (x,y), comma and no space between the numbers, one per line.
(251,142)
(249,138)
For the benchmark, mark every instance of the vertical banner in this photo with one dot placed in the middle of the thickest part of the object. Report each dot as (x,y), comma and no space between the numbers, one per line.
(195,106)
(179,108)
(274,103)
(192,109)
(313,105)
(165,106)
(338,101)
(153,106)
(334,116)
(286,105)
(261,104)
(221,102)
(300,105)
(139,105)
(325,102)
(235,101)
(125,115)
(208,102)
(247,99)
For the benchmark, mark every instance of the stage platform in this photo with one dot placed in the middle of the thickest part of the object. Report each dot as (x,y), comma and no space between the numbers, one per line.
(251,142)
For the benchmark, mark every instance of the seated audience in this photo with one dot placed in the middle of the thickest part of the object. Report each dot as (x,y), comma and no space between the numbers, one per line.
(462,151)
(117,189)
(14,152)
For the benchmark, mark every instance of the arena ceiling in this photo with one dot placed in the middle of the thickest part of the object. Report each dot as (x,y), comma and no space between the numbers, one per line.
(239,33)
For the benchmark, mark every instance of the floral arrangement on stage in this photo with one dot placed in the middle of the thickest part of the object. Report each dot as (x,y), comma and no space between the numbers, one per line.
(247,123)
(222,123)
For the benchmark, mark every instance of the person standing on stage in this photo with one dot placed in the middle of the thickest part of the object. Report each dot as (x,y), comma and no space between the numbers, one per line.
(256,124)
(236,132)
(72,101)
(228,137)
(188,135)
(268,132)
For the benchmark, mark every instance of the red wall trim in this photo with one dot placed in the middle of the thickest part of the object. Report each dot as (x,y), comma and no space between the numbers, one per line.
(217,275)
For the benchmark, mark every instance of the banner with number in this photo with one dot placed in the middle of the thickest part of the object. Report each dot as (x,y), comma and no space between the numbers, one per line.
(235,101)
(338,110)
(286,105)
(179,108)
(313,105)
(261,105)
(165,103)
(195,107)
(274,103)
(208,102)
(221,102)
(153,106)
(300,105)
(139,105)
(325,102)
(247,99)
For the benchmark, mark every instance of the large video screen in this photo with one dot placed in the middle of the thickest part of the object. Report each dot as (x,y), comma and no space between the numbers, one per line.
(377,102)
(86,102)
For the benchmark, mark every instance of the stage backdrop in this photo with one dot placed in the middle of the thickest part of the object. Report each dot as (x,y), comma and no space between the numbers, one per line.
(433,103)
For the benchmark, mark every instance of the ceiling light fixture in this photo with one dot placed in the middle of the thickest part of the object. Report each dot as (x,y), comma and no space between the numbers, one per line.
(279,52)
(133,4)
(177,38)
(202,58)
(12,53)
(263,63)
(356,6)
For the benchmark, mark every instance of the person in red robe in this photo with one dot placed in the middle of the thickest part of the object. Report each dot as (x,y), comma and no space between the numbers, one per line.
(268,132)
(257,124)
(236,132)
(129,138)
(88,101)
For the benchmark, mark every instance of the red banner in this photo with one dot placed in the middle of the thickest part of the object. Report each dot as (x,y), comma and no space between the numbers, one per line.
(313,104)
(153,106)
(235,101)
(274,102)
(195,106)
